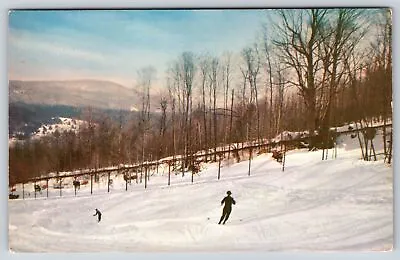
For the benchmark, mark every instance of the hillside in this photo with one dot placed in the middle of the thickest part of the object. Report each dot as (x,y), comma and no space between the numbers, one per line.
(26,119)
(337,204)
(76,93)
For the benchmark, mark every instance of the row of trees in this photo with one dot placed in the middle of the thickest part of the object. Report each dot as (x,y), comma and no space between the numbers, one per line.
(311,69)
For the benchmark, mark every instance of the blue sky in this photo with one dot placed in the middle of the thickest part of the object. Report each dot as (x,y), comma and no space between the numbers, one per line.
(113,45)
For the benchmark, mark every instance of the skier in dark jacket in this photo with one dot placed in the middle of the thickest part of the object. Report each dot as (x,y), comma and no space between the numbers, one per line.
(228,200)
(98,213)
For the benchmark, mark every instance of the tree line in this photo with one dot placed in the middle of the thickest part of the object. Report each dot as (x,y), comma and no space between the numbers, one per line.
(310,70)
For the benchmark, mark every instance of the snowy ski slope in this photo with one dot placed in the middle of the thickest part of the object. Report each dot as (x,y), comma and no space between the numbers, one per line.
(337,204)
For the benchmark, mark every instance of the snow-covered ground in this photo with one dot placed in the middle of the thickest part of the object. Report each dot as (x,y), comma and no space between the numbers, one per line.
(62,124)
(337,204)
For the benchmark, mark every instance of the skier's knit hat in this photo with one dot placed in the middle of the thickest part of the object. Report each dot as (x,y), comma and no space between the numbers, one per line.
(229,192)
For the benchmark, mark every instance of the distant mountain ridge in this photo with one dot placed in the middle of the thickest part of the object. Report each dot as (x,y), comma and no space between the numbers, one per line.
(76,93)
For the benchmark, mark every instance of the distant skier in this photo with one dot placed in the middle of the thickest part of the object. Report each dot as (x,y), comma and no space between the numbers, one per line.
(228,200)
(98,213)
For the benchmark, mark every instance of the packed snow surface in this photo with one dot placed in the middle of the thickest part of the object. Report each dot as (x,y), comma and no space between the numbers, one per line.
(335,204)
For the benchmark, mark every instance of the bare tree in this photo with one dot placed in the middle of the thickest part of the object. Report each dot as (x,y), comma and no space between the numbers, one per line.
(226,75)
(252,64)
(163,123)
(298,38)
(204,71)
(269,109)
(281,86)
(214,86)
(144,80)
(381,74)
(340,36)
(188,73)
